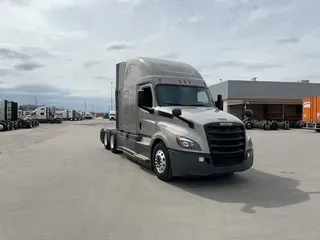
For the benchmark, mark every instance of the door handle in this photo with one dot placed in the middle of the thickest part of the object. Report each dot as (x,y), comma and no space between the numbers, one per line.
(140,125)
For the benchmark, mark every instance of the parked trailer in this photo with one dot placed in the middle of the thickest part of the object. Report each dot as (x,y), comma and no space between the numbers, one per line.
(311,112)
(166,120)
(8,115)
(11,118)
(73,115)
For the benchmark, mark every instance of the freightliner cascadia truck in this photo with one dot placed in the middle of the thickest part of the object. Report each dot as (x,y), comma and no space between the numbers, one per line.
(166,120)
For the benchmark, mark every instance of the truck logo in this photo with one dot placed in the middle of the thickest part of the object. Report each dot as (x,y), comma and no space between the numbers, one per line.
(226,124)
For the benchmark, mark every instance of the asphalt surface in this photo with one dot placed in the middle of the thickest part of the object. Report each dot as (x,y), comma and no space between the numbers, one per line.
(58,182)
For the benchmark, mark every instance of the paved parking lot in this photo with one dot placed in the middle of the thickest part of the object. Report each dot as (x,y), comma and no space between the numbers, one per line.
(58,182)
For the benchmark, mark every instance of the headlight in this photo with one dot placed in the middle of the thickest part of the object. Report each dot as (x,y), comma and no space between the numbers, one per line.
(188,143)
(249,144)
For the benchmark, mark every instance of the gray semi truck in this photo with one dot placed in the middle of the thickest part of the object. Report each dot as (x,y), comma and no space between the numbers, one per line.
(166,120)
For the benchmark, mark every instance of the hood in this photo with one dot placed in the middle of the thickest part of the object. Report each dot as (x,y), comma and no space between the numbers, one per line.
(203,115)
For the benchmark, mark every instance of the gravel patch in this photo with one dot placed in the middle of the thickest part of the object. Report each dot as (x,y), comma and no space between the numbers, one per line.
(22,138)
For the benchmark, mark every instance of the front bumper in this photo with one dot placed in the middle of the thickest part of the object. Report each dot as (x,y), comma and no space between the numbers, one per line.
(197,164)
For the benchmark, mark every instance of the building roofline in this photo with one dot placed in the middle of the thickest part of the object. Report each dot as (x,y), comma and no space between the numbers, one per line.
(267,81)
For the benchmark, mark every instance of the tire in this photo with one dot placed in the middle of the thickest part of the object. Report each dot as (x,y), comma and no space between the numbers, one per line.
(106,140)
(161,162)
(249,125)
(102,133)
(24,125)
(113,142)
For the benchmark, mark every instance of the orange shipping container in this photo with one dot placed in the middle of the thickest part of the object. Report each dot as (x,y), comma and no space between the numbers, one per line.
(311,109)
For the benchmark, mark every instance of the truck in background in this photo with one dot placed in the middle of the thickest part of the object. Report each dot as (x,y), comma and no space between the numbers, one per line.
(45,114)
(311,112)
(112,115)
(11,118)
(167,121)
(88,115)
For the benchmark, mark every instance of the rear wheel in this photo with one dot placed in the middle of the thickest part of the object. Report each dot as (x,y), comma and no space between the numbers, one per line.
(161,162)
(106,141)
(113,142)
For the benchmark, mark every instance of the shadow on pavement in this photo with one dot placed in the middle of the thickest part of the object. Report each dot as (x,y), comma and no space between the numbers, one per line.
(253,188)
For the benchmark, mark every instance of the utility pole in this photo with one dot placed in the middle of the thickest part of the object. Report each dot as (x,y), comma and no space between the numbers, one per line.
(85,105)
(35,100)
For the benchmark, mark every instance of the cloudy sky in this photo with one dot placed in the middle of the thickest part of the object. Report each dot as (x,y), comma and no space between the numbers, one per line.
(65,51)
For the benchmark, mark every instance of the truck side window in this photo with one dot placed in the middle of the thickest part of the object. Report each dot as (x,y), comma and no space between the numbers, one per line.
(202,97)
(148,94)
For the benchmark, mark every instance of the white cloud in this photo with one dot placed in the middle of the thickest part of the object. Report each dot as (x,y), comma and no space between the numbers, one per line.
(193,19)
(133,2)
(119,46)
(259,13)
(75,44)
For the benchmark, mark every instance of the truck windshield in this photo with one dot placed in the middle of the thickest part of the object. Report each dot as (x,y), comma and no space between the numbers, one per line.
(180,95)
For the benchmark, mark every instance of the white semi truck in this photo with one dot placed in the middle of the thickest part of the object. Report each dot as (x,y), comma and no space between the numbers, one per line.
(45,115)
(112,115)
(166,120)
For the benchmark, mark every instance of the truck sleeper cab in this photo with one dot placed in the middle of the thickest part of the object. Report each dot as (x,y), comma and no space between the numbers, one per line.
(166,120)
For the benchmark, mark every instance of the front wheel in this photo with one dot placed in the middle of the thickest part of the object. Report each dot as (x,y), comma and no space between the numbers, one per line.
(161,162)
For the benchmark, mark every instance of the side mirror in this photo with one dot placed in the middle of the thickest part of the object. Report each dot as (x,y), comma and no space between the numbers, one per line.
(248,113)
(141,98)
(176,112)
(219,102)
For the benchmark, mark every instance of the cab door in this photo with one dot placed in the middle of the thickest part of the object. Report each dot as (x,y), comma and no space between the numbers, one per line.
(146,120)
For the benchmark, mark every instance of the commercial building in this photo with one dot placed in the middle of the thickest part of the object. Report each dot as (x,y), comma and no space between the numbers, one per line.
(268,100)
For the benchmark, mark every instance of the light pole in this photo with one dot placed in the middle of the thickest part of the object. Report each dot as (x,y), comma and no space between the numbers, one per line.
(111,98)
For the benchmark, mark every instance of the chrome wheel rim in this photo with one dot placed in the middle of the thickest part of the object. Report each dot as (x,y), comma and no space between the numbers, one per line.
(111,141)
(160,161)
